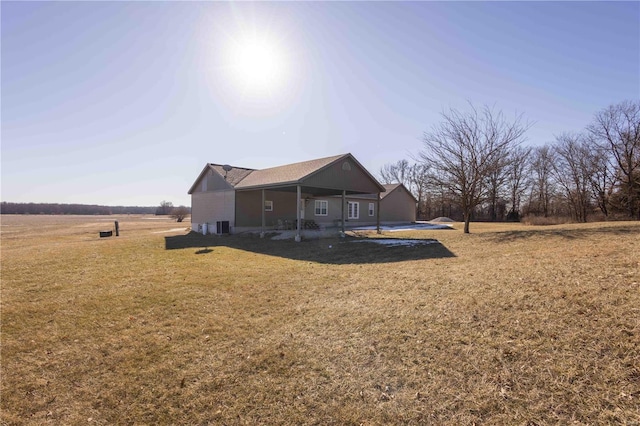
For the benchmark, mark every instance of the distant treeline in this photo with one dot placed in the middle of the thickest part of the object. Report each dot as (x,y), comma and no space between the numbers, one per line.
(79,209)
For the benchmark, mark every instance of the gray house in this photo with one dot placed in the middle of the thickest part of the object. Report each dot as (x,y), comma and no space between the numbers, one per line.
(327,192)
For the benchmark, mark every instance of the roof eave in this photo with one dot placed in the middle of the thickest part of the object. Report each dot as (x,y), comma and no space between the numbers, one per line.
(204,170)
(268,185)
(207,167)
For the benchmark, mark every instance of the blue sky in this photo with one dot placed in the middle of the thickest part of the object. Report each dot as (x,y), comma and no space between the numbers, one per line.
(123,103)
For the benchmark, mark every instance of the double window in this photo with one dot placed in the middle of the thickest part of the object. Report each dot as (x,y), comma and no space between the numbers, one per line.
(353,210)
(321,208)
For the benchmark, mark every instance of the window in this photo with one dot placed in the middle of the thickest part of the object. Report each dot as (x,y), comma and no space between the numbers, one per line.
(268,206)
(353,209)
(322,207)
(371,209)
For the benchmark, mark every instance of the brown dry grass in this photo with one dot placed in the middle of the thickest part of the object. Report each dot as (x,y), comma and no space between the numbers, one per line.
(509,325)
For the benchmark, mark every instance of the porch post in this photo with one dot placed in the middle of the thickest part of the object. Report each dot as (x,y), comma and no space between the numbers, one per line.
(263,219)
(344,194)
(298,198)
(378,214)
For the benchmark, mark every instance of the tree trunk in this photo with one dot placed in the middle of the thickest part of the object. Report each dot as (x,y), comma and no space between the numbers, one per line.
(467,219)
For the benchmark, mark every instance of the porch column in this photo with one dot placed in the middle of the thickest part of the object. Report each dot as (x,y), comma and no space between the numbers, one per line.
(378,214)
(344,195)
(298,198)
(263,219)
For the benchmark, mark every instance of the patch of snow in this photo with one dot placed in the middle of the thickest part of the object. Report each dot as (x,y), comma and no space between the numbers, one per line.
(442,219)
(306,234)
(170,230)
(284,235)
(396,241)
(418,226)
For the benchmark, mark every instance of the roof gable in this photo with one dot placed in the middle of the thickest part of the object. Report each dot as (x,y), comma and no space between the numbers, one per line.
(390,187)
(344,173)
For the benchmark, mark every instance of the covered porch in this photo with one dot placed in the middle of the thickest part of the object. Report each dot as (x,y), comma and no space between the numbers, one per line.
(293,207)
(287,195)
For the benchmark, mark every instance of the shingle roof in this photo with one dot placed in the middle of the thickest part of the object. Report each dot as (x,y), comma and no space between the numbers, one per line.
(289,173)
(233,176)
(389,188)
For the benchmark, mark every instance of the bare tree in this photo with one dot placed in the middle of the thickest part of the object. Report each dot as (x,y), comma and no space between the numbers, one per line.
(573,172)
(517,179)
(542,189)
(412,176)
(179,213)
(618,128)
(603,176)
(418,175)
(398,172)
(164,208)
(441,195)
(465,148)
(495,188)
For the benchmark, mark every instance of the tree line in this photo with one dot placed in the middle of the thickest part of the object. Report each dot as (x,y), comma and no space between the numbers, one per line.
(165,208)
(474,165)
(71,209)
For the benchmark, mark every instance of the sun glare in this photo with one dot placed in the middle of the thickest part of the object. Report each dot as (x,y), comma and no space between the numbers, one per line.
(258,65)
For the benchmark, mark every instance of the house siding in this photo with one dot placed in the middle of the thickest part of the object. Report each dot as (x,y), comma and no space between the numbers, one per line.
(334,213)
(214,182)
(212,206)
(335,177)
(249,213)
(398,206)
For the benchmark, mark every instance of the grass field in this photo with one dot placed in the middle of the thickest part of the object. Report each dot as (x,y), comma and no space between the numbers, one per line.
(510,325)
